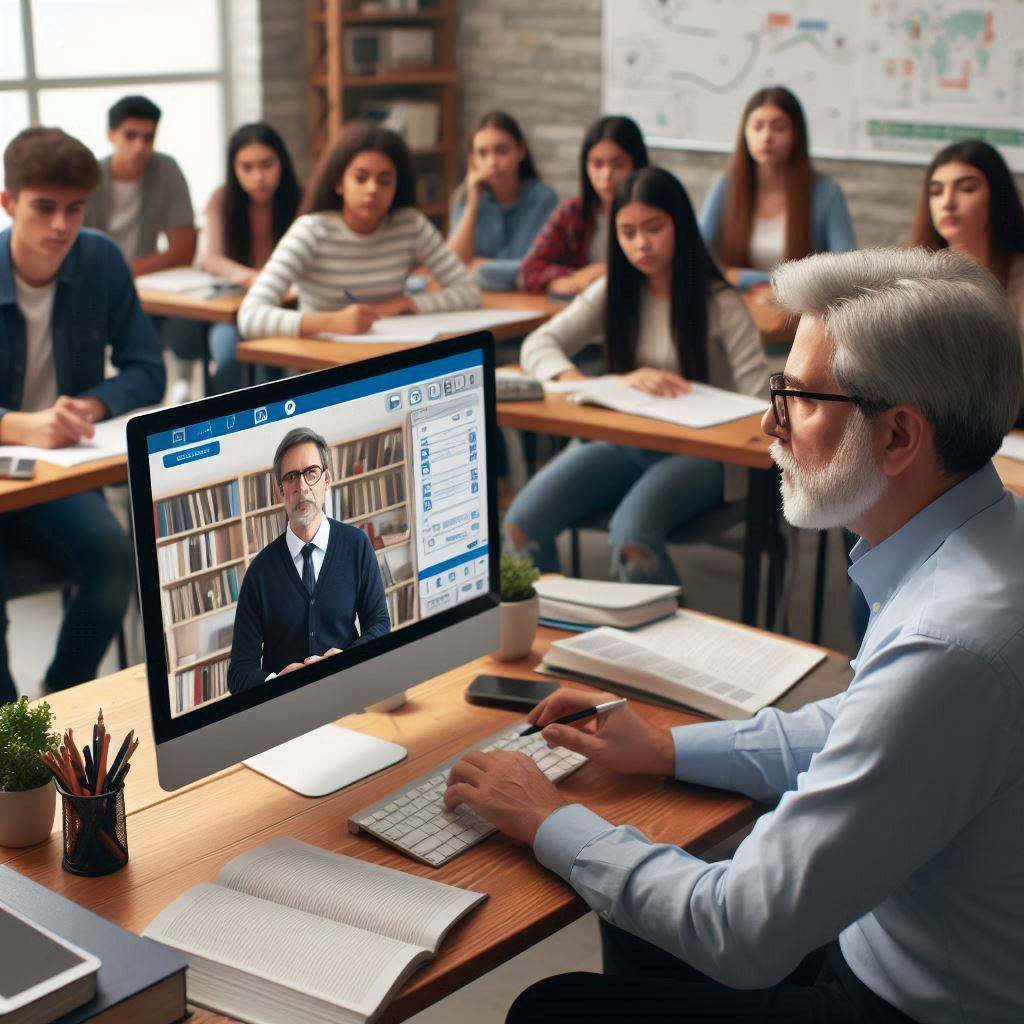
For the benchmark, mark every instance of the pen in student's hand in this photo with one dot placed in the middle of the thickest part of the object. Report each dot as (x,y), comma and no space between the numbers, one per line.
(597,709)
(348,295)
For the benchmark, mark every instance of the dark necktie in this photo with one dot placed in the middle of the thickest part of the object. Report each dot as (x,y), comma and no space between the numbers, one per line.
(307,567)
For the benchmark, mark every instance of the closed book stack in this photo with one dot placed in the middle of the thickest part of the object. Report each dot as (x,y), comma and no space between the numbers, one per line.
(567,602)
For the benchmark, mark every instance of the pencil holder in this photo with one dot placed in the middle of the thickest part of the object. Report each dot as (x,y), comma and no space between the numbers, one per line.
(95,833)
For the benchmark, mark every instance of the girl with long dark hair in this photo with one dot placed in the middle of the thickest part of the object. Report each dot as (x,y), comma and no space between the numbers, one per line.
(771,206)
(667,317)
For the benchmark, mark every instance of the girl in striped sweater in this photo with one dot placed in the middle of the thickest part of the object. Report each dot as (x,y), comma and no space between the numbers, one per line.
(358,236)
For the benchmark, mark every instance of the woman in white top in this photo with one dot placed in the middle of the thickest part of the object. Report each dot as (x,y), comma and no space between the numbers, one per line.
(350,251)
(771,206)
(667,316)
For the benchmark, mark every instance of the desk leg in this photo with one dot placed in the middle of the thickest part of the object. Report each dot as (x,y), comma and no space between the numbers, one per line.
(762,536)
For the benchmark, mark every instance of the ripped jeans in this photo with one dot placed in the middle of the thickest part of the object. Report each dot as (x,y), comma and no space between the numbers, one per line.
(651,492)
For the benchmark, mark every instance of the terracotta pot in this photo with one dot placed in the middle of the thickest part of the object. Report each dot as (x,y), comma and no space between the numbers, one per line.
(518,628)
(26,816)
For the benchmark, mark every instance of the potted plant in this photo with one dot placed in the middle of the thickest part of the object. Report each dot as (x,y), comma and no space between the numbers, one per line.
(519,604)
(28,797)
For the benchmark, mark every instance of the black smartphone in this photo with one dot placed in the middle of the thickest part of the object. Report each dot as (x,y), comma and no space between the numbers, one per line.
(509,693)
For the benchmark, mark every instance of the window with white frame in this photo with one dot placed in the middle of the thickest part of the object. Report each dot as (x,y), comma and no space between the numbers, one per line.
(63,63)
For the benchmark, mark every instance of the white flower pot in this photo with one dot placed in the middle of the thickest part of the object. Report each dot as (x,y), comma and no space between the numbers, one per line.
(26,817)
(518,628)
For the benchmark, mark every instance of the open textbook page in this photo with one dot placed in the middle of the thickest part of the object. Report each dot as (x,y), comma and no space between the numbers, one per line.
(711,666)
(288,931)
(701,406)
(420,328)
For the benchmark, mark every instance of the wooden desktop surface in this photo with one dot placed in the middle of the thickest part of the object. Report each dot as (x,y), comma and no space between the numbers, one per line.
(177,840)
(50,482)
(220,309)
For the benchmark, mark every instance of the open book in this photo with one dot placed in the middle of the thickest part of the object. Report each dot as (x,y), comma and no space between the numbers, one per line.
(290,932)
(701,406)
(712,666)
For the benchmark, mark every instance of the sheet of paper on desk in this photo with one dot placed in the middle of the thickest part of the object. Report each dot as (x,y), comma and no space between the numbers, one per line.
(1013,447)
(701,406)
(108,440)
(419,328)
(185,280)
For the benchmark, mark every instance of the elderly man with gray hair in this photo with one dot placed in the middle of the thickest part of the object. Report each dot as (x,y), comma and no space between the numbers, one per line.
(887,882)
(303,594)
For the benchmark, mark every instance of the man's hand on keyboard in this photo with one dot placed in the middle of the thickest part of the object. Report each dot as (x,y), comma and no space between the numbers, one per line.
(620,739)
(505,787)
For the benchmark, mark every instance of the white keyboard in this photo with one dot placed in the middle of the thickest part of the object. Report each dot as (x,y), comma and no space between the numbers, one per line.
(414,819)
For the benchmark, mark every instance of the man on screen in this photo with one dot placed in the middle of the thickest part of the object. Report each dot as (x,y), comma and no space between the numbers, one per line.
(304,592)
(885,885)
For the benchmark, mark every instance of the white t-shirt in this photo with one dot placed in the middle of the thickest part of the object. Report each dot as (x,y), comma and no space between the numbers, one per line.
(36,305)
(598,252)
(125,211)
(768,242)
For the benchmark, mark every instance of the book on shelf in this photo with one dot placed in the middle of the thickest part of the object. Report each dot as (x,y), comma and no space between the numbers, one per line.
(701,406)
(207,593)
(138,979)
(715,667)
(205,507)
(327,937)
(603,603)
(198,552)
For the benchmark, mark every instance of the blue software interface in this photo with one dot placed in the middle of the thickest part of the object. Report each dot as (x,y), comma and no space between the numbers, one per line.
(407,467)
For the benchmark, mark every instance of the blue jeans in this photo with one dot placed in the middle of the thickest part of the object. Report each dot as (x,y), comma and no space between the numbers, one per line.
(223,340)
(81,537)
(651,492)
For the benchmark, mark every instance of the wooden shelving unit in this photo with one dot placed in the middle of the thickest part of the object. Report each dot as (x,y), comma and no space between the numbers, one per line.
(208,536)
(338,95)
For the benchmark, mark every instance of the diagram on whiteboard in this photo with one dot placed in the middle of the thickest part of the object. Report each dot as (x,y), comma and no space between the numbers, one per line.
(876,78)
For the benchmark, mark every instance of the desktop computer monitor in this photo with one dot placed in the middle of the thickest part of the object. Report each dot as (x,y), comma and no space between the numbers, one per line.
(405,477)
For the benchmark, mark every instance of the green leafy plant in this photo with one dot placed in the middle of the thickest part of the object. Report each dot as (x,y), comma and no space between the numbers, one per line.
(517,577)
(24,735)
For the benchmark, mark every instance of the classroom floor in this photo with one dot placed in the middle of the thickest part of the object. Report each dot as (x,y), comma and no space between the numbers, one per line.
(711,577)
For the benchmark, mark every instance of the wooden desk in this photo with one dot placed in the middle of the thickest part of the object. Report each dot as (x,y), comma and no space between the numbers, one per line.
(51,482)
(178,840)
(220,309)
(311,354)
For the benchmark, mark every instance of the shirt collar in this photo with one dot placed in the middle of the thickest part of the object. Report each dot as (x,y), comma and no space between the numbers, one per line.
(295,544)
(879,571)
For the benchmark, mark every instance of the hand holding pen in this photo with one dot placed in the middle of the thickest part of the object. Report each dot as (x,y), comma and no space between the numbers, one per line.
(615,736)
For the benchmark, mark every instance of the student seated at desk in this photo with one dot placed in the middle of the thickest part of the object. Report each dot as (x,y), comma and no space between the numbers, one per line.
(356,241)
(771,205)
(501,205)
(304,592)
(969,202)
(885,885)
(667,317)
(245,218)
(143,197)
(571,250)
(66,297)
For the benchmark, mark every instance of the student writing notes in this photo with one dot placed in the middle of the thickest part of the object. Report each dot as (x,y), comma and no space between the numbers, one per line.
(67,301)
(245,218)
(771,206)
(884,884)
(304,592)
(571,251)
(353,247)
(666,316)
(501,205)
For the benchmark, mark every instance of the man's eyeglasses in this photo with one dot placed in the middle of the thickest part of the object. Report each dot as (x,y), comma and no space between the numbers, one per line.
(311,474)
(779,393)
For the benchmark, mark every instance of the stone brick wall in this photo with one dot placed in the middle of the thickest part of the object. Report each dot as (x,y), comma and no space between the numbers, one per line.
(541,60)
(283,62)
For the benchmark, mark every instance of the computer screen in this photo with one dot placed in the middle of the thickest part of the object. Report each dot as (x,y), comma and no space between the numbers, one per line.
(257,631)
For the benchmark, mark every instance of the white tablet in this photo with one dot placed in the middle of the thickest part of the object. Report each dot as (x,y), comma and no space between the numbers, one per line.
(42,976)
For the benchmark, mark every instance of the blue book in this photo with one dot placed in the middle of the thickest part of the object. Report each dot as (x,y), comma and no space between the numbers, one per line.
(139,979)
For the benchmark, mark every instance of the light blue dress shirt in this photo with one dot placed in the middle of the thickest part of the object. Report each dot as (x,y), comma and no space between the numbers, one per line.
(503,234)
(900,818)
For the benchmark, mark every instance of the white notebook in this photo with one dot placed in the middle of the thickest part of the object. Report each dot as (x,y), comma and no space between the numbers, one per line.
(419,328)
(712,666)
(289,932)
(604,603)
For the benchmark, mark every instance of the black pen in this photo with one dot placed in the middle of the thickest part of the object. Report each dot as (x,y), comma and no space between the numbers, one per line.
(597,709)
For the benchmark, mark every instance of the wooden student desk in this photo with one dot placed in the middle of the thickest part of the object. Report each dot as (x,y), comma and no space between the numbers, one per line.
(219,309)
(177,840)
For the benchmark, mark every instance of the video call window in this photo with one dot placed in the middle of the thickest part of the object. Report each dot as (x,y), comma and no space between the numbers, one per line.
(406,467)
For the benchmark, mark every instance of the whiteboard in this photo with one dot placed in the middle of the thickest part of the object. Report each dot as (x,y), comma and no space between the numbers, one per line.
(878,79)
